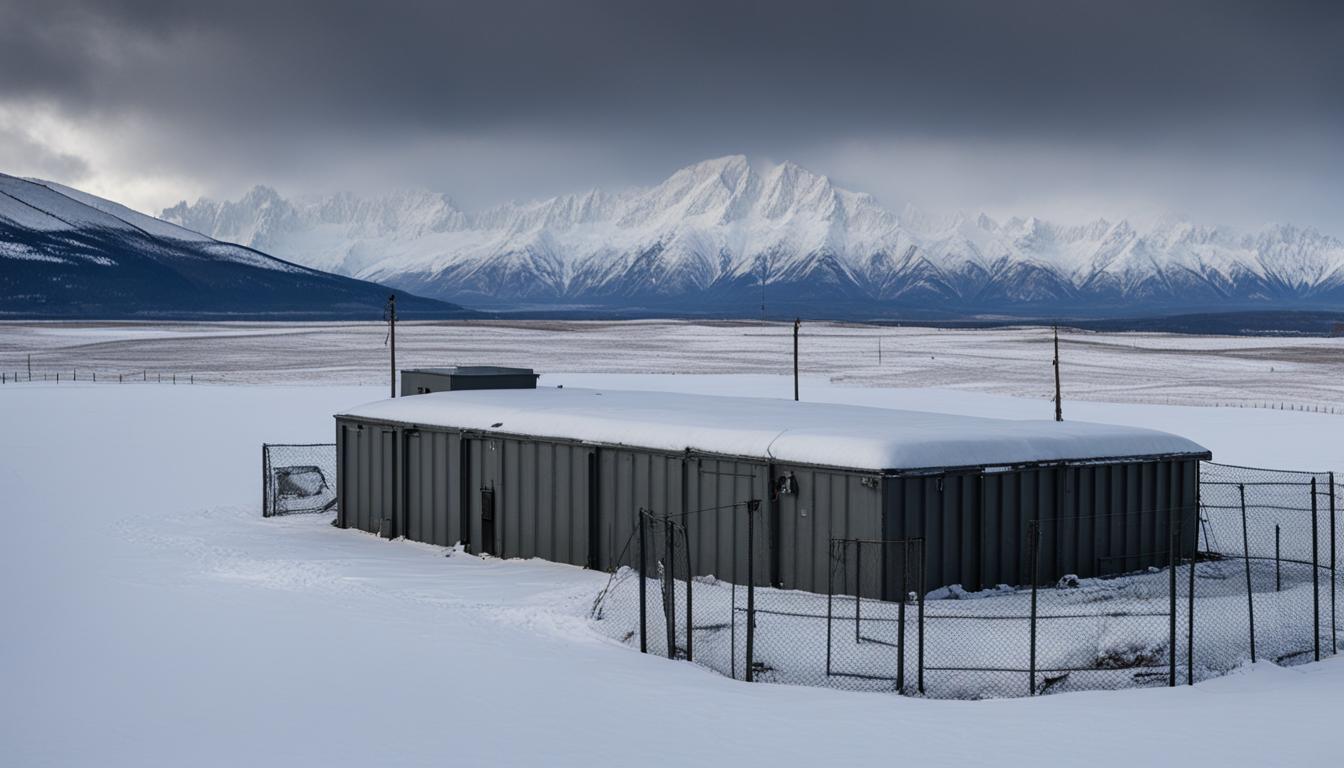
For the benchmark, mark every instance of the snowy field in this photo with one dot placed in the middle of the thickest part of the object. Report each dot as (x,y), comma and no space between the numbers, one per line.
(153,618)
(1230,371)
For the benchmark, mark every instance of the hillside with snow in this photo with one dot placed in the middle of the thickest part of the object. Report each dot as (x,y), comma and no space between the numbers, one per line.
(721,235)
(65,253)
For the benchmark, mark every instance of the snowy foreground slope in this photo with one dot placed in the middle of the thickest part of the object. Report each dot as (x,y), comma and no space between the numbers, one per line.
(712,233)
(153,618)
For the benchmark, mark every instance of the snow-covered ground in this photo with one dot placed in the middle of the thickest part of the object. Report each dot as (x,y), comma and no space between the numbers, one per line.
(154,618)
(1242,372)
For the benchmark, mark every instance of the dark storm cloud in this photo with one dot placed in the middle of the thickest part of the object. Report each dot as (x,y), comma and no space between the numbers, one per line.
(252,81)
(978,67)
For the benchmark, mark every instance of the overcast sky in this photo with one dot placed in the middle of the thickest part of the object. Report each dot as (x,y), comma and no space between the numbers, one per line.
(1223,111)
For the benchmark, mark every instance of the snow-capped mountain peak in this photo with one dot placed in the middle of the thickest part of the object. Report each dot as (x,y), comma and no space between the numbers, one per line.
(713,232)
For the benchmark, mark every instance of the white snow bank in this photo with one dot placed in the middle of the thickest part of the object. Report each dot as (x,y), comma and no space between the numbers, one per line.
(810,433)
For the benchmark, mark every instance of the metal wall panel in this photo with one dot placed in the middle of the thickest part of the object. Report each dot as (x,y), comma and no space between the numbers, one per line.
(366,481)
(344,475)
(486,472)
(717,493)
(828,505)
(433,496)
(628,481)
(1093,520)
(541,497)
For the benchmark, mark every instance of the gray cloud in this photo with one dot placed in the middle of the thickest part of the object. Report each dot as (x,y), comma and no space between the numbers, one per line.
(552,95)
(21,154)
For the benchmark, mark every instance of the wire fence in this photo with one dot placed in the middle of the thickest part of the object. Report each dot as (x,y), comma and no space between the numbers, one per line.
(106,376)
(297,478)
(1250,577)
(1269,540)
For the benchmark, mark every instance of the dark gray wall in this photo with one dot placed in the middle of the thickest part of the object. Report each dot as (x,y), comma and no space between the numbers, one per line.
(576,503)
(415,382)
(629,480)
(717,492)
(829,505)
(433,498)
(1094,519)
(366,477)
(541,498)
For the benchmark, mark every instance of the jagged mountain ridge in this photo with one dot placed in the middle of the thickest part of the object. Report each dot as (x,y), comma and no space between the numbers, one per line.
(713,232)
(65,253)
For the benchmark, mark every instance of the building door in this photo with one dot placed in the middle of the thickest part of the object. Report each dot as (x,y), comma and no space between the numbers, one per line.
(488,521)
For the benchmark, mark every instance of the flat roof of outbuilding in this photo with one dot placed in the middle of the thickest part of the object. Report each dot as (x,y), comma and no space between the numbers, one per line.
(473,370)
(857,437)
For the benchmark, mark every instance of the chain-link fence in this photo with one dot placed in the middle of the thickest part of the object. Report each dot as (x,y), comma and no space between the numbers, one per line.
(1118,630)
(297,478)
(1267,581)
(652,599)
(875,615)
(1250,577)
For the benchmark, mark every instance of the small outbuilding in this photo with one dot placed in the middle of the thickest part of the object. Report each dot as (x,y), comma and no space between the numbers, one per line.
(424,381)
(561,474)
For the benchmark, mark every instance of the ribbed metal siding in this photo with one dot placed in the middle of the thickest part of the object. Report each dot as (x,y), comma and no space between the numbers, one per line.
(717,491)
(433,502)
(629,480)
(366,484)
(828,505)
(486,472)
(1094,520)
(542,499)
(344,478)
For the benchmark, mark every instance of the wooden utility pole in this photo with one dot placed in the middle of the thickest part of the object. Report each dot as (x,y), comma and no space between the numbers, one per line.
(1059,405)
(762,290)
(392,339)
(796,323)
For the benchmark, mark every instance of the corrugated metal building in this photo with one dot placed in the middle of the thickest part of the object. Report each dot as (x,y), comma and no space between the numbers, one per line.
(560,474)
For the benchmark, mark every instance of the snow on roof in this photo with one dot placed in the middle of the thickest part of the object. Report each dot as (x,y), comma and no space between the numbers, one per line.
(858,437)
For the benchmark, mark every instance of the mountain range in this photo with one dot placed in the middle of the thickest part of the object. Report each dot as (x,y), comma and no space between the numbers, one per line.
(65,254)
(722,236)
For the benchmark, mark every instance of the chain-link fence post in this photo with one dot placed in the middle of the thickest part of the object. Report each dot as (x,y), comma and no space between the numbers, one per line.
(921,586)
(1334,612)
(900,615)
(830,601)
(265,480)
(732,622)
(1315,573)
(858,589)
(643,598)
(669,589)
(1278,560)
(1033,547)
(1175,559)
(690,577)
(749,674)
(1246,558)
(1190,603)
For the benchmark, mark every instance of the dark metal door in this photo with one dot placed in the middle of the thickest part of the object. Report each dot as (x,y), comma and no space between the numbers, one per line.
(488,521)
